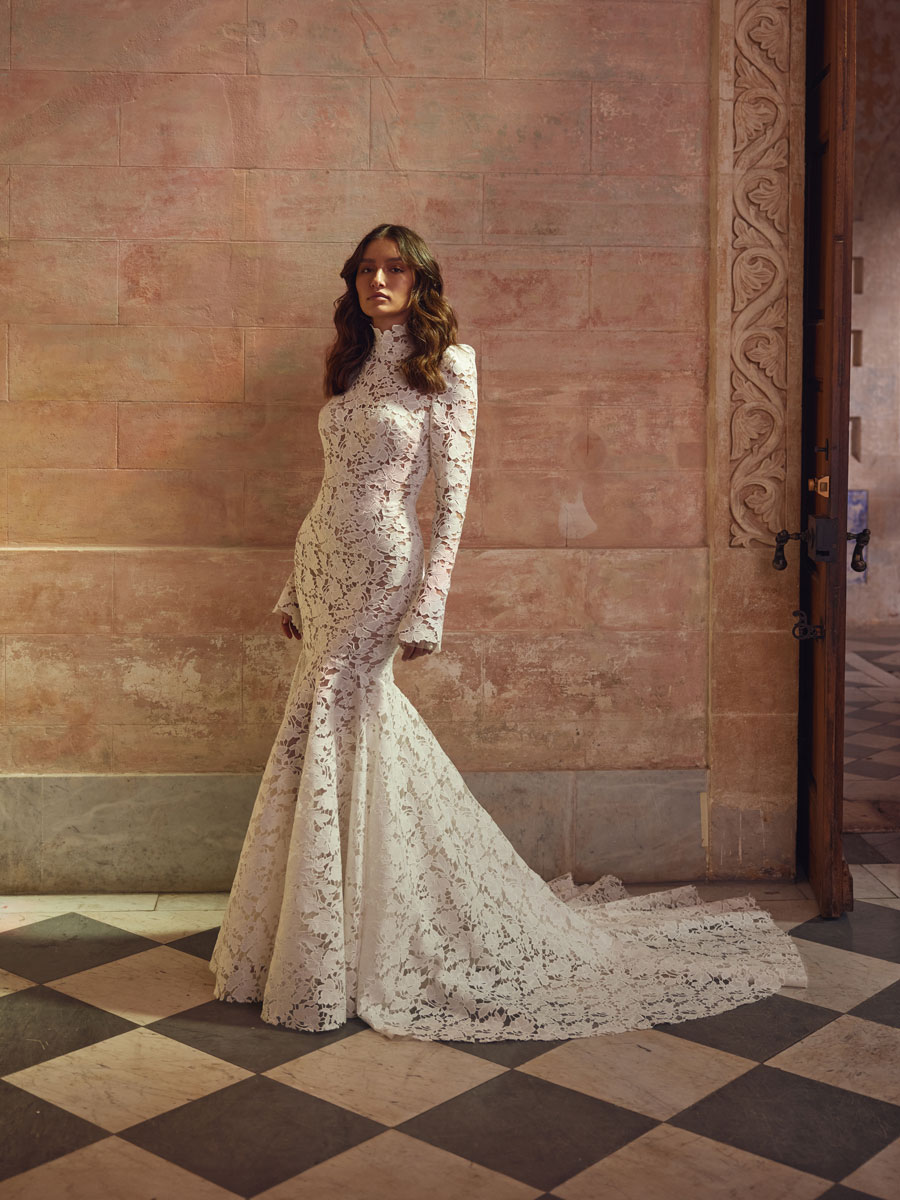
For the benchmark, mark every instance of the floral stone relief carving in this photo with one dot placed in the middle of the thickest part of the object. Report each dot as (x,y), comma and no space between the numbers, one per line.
(760,228)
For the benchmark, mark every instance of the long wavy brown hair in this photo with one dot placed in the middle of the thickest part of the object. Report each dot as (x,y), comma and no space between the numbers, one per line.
(431,322)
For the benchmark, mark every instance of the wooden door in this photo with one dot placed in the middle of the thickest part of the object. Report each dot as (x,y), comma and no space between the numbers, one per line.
(830,97)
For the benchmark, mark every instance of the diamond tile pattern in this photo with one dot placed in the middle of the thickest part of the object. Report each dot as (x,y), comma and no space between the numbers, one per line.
(121,1075)
(810,1126)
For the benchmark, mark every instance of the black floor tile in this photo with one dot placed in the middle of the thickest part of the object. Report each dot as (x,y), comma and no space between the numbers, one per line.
(36,1131)
(811,1126)
(839,1192)
(874,770)
(874,712)
(506,1054)
(859,751)
(528,1128)
(38,1023)
(883,1007)
(891,851)
(252,1135)
(756,1030)
(867,929)
(64,944)
(202,944)
(858,851)
(869,712)
(237,1033)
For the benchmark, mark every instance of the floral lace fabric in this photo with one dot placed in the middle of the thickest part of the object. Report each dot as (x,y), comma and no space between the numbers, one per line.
(371,882)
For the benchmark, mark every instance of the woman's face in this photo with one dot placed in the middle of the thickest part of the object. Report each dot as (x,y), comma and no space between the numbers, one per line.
(384,284)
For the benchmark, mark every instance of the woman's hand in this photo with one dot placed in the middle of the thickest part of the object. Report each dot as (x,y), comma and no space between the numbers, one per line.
(288,628)
(417,649)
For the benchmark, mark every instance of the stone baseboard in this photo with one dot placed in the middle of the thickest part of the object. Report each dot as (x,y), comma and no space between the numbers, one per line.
(183,833)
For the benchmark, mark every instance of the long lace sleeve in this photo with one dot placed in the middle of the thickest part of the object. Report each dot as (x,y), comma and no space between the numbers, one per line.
(452,447)
(287,601)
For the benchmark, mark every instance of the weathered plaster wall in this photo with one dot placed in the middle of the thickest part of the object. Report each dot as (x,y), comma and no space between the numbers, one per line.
(184,183)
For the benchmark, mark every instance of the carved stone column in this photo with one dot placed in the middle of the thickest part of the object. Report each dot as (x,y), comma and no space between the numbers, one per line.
(755,380)
(760,246)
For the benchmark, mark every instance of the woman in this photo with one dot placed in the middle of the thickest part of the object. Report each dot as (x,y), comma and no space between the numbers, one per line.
(371,881)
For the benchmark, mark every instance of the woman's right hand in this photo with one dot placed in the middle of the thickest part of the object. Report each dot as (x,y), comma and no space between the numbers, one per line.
(288,628)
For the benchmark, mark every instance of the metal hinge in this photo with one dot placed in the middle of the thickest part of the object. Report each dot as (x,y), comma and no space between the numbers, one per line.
(820,486)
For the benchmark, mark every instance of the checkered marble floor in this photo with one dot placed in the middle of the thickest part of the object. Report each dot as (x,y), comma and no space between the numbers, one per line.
(872,730)
(123,1078)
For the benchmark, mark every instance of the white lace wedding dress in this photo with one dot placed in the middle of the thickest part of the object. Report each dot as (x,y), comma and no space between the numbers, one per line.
(371,881)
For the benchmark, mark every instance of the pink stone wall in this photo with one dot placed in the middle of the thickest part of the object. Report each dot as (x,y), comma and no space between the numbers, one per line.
(184,182)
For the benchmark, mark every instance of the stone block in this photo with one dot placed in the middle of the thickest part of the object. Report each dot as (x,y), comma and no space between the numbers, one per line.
(534,809)
(95,36)
(214,437)
(115,362)
(653,128)
(20,833)
(204,120)
(58,433)
(122,679)
(642,826)
(49,117)
(124,507)
(619,40)
(53,281)
(382,37)
(199,591)
(67,591)
(144,833)
(126,202)
(481,124)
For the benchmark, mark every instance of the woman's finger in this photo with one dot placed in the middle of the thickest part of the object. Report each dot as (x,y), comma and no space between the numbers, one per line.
(416,649)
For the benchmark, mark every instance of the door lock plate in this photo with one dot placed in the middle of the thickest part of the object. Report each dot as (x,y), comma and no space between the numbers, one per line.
(820,486)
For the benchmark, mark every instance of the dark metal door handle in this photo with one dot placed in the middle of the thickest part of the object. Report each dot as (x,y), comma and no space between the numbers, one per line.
(857,562)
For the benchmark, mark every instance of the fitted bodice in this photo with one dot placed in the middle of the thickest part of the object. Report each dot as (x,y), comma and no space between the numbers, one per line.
(375,436)
(379,439)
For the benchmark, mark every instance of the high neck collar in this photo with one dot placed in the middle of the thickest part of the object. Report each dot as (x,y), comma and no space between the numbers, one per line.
(393,343)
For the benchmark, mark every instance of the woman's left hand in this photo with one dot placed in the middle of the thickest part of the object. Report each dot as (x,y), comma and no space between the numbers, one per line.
(417,649)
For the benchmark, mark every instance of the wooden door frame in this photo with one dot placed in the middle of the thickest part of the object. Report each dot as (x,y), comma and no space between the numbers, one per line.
(828,228)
